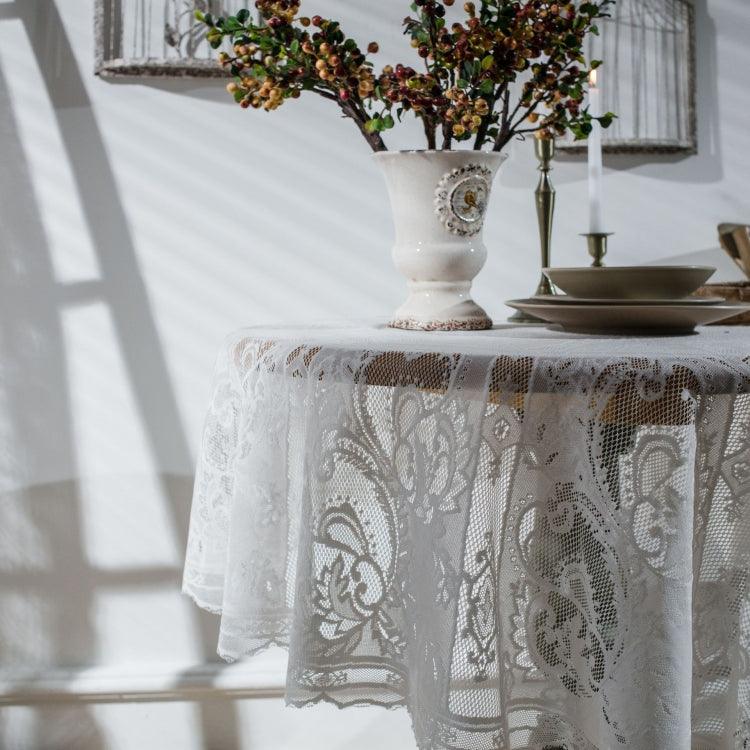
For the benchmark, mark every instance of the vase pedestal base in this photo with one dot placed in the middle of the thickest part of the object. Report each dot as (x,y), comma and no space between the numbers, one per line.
(440,306)
(473,324)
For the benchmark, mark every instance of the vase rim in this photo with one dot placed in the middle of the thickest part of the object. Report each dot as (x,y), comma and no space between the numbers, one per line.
(461,151)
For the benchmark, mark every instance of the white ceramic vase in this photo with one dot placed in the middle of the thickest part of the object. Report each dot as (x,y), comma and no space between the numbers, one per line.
(439,200)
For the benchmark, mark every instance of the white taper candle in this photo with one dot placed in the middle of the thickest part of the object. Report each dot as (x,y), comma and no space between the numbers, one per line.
(596,169)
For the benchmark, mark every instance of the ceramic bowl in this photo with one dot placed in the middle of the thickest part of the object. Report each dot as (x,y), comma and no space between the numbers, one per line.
(630,282)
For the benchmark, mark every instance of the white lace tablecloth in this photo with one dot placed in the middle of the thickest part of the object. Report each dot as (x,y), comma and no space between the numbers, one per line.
(531,539)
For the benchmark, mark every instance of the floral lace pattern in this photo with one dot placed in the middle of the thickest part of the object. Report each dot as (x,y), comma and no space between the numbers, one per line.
(528,549)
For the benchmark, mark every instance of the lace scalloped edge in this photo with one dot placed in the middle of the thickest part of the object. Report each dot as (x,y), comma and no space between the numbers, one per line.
(329,699)
(279,641)
(250,653)
(200,603)
(400,704)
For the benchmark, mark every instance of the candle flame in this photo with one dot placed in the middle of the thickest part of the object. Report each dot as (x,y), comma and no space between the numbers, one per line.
(592,78)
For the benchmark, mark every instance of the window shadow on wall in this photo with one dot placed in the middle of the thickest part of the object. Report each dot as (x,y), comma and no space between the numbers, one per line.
(46,581)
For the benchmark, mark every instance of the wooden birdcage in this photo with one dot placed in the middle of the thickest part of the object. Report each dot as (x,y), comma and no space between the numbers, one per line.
(157,37)
(648,76)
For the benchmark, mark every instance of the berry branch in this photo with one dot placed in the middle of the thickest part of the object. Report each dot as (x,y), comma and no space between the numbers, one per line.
(471,68)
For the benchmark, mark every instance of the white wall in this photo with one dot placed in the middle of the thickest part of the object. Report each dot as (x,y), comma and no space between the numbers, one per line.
(139,223)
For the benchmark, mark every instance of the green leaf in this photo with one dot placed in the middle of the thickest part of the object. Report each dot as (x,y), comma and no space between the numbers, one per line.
(487,62)
(487,87)
(388,122)
(294,46)
(243,15)
(232,24)
(200,16)
(462,83)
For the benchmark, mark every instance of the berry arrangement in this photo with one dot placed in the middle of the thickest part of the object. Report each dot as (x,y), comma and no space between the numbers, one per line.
(502,69)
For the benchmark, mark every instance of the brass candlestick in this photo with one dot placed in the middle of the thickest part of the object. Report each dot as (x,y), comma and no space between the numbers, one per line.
(597,242)
(544,148)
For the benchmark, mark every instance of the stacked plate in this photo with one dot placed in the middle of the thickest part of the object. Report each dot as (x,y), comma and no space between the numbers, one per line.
(636,298)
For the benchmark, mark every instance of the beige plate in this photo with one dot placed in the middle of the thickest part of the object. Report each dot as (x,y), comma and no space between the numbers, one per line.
(630,282)
(564,299)
(599,318)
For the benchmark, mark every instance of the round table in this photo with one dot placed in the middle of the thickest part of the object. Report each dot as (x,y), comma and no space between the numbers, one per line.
(530,539)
